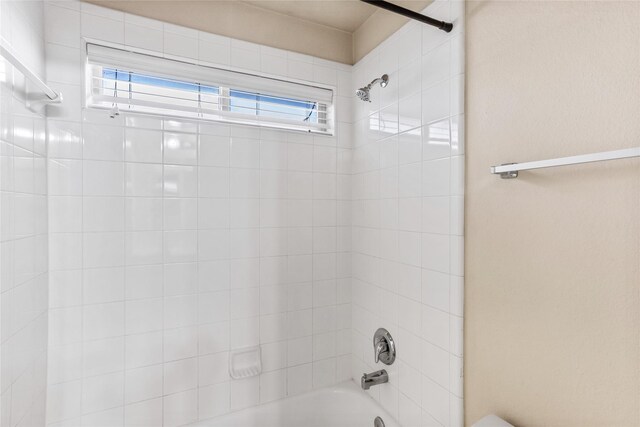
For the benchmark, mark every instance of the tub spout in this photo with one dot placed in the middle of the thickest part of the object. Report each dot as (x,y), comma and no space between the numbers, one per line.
(374,378)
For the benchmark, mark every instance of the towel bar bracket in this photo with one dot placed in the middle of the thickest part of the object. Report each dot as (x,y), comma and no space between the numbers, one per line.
(508,174)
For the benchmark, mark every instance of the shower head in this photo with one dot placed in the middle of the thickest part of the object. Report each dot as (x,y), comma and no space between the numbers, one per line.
(363,92)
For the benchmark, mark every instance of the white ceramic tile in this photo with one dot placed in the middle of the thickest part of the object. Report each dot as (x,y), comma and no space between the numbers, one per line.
(213,369)
(143,213)
(435,400)
(65,177)
(436,141)
(324,373)
(143,145)
(214,182)
(102,142)
(214,150)
(62,25)
(65,214)
(103,320)
(103,285)
(143,247)
(65,139)
(213,400)
(436,177)
(273,184)
(180,214)
(245,213)
(435,64)
(100,214)
(245,59)
(63,64)
(180,311)
(299,379)
(180,148)
(180,181)
(272,386)
(245,393)
(245,153)
(300,157)
(213,245)
(102,28)
(435,102)
(216,53)
(64,401)
(180,343)
(143,349)
(409,113)
(143,315)
(436,215)
(103,249)
(143,37)
(103,178)
(273,64)
(102,392)
(144,413)
(180,408)
(180,375)
(180,45)
(103,356)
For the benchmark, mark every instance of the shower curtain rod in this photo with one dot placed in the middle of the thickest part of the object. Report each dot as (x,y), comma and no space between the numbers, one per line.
(441,25)
(7,52)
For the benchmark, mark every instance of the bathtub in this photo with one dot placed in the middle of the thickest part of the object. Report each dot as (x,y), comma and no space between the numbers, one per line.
(343,405)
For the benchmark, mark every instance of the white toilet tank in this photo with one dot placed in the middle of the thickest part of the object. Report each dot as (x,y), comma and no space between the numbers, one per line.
(492,421)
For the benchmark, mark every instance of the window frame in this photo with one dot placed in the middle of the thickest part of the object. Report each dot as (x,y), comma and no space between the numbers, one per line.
(226,115)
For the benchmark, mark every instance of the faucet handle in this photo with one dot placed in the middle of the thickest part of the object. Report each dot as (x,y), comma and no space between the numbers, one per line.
(381,347)
(384,347)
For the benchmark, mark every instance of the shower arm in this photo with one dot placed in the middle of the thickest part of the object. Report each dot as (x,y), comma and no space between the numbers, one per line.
(374,81)
(441,25)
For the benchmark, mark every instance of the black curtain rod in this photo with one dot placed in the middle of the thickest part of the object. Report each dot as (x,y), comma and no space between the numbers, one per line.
(441,25)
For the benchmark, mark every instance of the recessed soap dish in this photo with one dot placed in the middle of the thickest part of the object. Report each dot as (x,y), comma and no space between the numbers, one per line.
(245,363)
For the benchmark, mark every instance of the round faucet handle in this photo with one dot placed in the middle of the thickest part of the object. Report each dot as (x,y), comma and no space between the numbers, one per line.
(384,347)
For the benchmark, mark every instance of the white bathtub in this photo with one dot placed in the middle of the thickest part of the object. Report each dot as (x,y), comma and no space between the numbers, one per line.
(343,405)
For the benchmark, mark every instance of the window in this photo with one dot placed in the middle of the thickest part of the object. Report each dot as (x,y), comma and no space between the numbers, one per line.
(142,83)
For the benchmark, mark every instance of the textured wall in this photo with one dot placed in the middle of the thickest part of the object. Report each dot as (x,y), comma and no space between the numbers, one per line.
(552,303)
(23,223)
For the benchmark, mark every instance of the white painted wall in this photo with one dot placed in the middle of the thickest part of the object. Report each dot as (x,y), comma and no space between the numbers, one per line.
(174,242)
(408,169)
(23,224)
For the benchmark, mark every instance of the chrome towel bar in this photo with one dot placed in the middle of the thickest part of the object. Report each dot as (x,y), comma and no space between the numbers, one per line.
(510,170)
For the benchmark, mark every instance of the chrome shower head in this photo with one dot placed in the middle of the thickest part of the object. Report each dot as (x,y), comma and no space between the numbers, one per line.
(363,92)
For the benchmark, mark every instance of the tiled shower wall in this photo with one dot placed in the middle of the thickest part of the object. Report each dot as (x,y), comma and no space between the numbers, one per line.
(174,242)
(23,224)
(407,241)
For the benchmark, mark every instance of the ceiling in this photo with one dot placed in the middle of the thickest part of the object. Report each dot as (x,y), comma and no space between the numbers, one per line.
(345,15)
(338,30)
